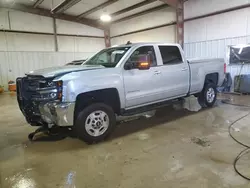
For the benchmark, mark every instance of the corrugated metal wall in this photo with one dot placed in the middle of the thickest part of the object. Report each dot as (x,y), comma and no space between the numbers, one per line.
(218,49)
(156,18)
(23,52)
(163,34)
(213,48)
(15,64)
(210,37)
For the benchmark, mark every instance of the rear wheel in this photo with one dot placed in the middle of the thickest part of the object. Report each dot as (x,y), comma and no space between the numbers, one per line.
(208,95)
(95,123)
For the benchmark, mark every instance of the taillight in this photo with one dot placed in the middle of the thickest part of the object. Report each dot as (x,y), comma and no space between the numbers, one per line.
(225,67)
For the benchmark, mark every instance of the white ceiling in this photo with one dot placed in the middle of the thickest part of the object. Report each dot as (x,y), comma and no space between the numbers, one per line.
(85,5)
(145,7)
(49,4)
(26,2)
(119,5)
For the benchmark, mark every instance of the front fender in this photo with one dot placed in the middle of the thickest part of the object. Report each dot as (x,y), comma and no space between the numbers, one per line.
(76,83)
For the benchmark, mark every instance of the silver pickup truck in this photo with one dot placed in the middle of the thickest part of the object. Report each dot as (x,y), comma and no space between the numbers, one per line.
(117,81)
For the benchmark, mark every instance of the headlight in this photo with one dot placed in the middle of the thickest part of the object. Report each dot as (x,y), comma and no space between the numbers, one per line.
(51,90)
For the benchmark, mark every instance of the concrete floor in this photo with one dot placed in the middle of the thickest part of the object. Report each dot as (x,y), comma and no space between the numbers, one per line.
(172,149)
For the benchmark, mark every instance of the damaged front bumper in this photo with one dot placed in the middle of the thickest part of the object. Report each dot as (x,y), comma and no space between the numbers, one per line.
(61,114)
(38,99)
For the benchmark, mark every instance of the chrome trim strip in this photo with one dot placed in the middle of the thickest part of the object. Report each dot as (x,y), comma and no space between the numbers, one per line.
(48,91)
(46,88)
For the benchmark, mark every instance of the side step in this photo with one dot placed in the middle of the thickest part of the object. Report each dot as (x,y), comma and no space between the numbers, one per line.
(150,107)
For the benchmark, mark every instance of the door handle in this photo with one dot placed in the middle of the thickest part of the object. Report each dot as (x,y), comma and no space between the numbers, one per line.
(157,72)
(184,69)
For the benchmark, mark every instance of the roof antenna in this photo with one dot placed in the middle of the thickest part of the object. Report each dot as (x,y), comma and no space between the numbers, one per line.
(129,42)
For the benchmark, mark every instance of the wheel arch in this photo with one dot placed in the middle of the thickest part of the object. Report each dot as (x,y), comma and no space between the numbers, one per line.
(212,78)
(108,96)
(209,78)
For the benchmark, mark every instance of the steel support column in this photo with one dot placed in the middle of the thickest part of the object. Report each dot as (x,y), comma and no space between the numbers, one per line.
(107,37)
(180,22)
(55,35)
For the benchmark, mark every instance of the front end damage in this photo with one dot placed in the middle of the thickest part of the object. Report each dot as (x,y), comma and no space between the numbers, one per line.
(40,100)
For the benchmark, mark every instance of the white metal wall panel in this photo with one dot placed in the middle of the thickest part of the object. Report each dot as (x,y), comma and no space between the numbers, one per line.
(25,42)
(141,22)
(89,44)
(248,21)
(228,25)
(213,48)
(210,37)
(34,42)
(164,34)
(231,24)
(15,64)
(201,7)
(66,27)
(3,41)
(80,44)
(22,52)
(195,31)
(4,24)
(30,22)
(217,49)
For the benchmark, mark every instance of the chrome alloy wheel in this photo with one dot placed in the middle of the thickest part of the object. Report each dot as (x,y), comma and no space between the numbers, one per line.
(210,95)
(97,123)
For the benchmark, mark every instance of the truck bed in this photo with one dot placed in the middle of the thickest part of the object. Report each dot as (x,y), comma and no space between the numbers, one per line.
(201,67)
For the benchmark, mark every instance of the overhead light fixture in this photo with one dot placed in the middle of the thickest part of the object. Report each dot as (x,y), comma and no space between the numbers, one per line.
(105,18)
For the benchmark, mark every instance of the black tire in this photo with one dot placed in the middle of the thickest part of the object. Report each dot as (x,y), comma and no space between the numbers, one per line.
(79,127)
(202,97)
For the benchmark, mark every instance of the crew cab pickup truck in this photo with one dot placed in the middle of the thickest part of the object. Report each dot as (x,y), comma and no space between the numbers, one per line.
(117,81)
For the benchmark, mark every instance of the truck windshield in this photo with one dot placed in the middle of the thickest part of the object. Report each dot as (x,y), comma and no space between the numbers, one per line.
(108,57)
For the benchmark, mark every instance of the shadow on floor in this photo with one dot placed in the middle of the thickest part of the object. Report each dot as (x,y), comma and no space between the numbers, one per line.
(163,115)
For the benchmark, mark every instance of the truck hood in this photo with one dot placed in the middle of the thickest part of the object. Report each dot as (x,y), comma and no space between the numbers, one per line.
(61,70)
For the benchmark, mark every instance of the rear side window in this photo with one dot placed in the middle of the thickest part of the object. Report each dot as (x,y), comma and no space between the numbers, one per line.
(170,55)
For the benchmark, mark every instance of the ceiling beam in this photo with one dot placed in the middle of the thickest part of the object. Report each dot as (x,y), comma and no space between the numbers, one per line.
(37,3)
(172,3)
(141,13)
(138,5)
(64,6)
(47,13)
(99,7)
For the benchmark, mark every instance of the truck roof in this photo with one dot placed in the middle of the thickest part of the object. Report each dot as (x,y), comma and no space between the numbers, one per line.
(146,43)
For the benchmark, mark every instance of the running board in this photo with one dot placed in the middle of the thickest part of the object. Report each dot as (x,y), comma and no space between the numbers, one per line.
(146,108)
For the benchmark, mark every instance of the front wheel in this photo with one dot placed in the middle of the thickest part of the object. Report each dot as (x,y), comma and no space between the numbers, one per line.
(208,95)
(95,123)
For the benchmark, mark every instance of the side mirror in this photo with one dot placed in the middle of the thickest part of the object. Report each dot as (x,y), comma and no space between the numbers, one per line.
(143,62)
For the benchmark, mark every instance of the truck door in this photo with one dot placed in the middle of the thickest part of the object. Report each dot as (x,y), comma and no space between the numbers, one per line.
(141,86)
(174,72)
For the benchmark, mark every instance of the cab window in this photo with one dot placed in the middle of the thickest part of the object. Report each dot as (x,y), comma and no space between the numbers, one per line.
(170,55)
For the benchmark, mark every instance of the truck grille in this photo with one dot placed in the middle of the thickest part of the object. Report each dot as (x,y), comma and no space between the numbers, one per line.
(30,88)
(29,97)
